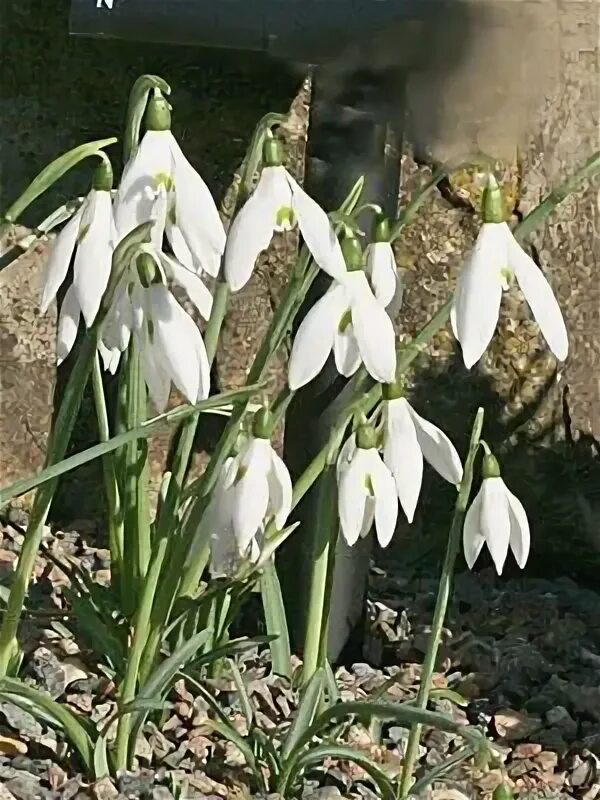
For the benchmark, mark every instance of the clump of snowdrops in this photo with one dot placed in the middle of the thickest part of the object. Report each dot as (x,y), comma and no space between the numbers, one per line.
(178,579)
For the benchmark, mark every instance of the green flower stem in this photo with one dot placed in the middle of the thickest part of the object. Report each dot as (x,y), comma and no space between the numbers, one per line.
(52,173)
(441,605)
(57,446)
(115,513)
(163,587)
(324,536)
(135,495)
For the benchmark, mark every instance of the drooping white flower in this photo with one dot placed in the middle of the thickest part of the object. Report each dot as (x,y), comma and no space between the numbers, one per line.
(90,236)
(262,486)
(496,518)
(496,258)
(277,204)
(408,439)
(381,267)
(350,321)
(366,490)
(171,346)
(216,527)
(160,184)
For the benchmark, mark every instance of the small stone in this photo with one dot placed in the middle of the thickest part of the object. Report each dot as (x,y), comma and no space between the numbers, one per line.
(12,747)
(6,794)
(104,789)
(559,718)
(547,760)
(527,750)
(161,793)
(24,786)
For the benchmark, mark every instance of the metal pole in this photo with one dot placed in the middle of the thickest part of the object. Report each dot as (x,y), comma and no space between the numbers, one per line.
(349,135)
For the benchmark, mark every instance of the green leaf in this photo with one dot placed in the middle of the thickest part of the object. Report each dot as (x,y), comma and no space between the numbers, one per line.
(276,621)
(317,755)
(229,732)
(159,681)
(138,98)
(53,172)
(101,768)
(243,693)
(449,694)
(68,720)
(145,430)
(307,710)
(442,769)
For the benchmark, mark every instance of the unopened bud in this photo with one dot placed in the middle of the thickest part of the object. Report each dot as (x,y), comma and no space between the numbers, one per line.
(366,437)
(381,229)
(492,203)
(158,113)
(490,467)
(353,254)
(273,152)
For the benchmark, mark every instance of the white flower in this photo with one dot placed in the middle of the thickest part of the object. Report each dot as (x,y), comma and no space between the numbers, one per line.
(90,235)
(262,488)
(366,493)
(348,320)
(171,346)
(217,522)
(496,518)
(277,203)
(159,183)
(496,257)
(408,438)
(384,277)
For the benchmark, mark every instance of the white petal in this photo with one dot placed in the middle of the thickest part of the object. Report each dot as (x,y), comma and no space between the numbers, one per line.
(203,365)
(495,520)
(68,322)
(280,490)
(346,455)
(252,493)
(177,336)
(157,380)
(386,498)
(59,259)
(193,285)
(93,258)
(196,214)
(437,448)
(374,332)
(315,337)
(118,324)
(136,196)
(479,291)
(473,539)
(346,352)
(352,496)
(252,229)
(540,298)
(402,454)
(520,537)
(381,267)
(317,231)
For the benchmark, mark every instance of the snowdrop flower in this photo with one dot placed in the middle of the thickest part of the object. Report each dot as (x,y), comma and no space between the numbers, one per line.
(262,487)
(171,346)
(277,204)
(381,268)
(90,235)
(159,183)
(496,518)
(349,320)
(366,489)
(495,260)
(217,523)
(408,439)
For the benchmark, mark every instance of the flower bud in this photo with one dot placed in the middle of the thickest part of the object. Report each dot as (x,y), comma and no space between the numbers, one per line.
(158,113)
(366,437)
(381,229)
(273,152)
(353,254)
(262,424)
(492,203)
(102,180)
(490,467)
(392,391)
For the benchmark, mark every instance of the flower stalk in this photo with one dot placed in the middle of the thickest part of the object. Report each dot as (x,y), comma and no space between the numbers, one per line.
(441,605)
